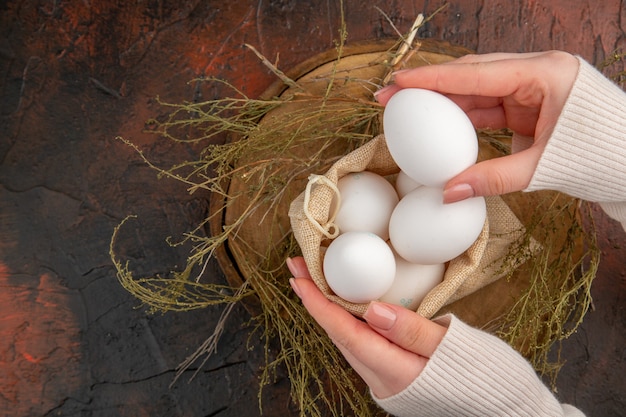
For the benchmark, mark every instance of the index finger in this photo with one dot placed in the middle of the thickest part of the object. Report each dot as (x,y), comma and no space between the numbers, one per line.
(498,78)
(488,75)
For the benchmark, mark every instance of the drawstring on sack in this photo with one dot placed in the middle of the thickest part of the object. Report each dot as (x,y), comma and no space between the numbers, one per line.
(330,229)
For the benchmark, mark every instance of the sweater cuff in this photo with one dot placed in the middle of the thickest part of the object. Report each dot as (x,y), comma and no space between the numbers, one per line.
(617,211)
(585,156)
(473,373)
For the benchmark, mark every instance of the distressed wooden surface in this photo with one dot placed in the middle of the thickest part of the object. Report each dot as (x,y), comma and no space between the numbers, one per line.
(74,75)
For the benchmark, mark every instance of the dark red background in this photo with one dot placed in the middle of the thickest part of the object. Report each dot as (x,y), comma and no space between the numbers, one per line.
(76,74)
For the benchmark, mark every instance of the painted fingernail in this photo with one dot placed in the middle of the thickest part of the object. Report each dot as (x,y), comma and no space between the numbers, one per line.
(290,265)
(294,268)
(457,192)
(379,315)
(393,75)
(382,90)
(294,287)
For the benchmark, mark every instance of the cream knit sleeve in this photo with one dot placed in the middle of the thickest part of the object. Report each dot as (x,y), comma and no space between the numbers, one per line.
(473,373)
(586,154)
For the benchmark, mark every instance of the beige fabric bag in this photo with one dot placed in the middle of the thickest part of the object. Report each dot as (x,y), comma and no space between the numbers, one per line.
(480,265)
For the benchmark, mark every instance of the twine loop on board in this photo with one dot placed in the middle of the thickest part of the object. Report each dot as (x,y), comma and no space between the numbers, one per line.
(329,229)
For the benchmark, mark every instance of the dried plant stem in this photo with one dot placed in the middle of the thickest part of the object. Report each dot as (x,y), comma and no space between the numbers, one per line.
(558,296)
(281,75)
(209,346)
(404,48)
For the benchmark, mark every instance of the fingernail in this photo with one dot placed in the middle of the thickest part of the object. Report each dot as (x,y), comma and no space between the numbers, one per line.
(457,192)
(393,74)
(294,287)
(382,90)
(379,315)
(290,265)
(294,268)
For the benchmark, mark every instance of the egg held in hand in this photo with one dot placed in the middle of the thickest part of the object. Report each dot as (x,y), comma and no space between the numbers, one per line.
(366,203)
(424,230)
(412,282)
(429,136)
(359,266)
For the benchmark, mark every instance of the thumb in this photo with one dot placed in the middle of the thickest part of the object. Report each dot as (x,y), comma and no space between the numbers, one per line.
(494,176)
(405,328)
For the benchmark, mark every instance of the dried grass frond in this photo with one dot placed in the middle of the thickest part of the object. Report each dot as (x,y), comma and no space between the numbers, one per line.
(559,292)
(614,67)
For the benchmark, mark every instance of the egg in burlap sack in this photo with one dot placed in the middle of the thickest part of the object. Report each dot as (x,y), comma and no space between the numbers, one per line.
(482,286)
(480,265)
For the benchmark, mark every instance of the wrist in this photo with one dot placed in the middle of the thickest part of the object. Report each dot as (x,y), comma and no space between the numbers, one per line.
(585,156)
(473,373)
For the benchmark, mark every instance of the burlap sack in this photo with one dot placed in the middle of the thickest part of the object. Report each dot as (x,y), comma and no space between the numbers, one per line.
(480,265)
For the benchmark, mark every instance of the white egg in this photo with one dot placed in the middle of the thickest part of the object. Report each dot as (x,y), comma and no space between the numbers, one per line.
(367,201)
(359,266)
(429,136)
(423,230)
(405,184)
(412,282)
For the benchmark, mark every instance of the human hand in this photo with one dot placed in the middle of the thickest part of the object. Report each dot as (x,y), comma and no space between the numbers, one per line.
(522,92)
(388,350)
